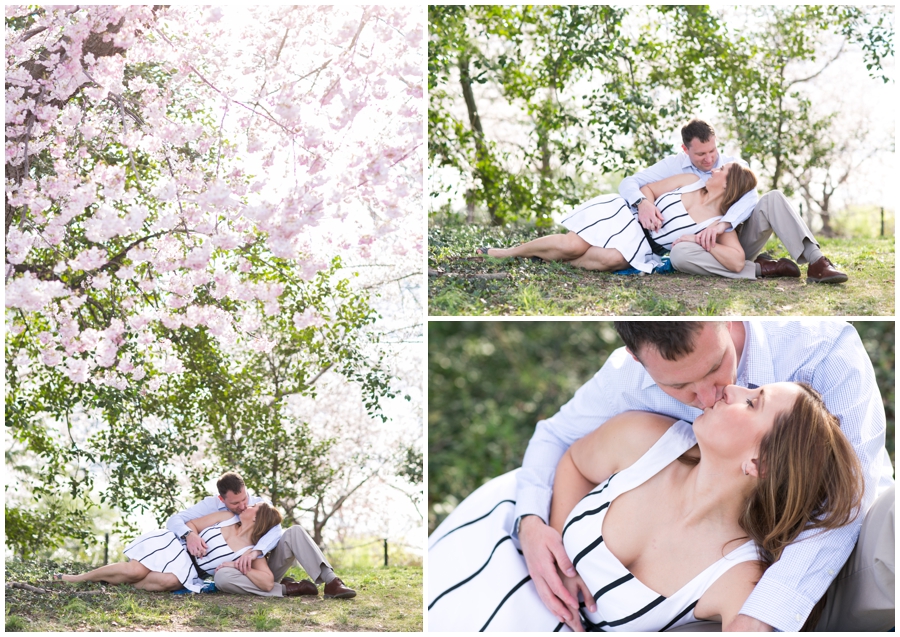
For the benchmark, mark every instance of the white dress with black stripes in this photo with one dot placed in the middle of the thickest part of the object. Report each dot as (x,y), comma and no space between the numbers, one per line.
(478,581)
(607,221)
(164,552)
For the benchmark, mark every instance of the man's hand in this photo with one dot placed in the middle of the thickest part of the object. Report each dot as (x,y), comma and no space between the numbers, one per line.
(195,545)
(225,565)
(747,624)
(708,236)
(245,561)
(543,550)
(649,215)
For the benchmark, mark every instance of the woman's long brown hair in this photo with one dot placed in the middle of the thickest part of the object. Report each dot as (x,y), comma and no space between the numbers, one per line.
(739,182)
(809,478)
(266,518)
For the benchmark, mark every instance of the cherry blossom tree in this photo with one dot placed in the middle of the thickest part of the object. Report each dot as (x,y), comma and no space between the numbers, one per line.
(178,187)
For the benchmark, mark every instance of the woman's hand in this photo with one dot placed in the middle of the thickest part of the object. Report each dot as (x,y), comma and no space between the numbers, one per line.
(707,237)
(576,585)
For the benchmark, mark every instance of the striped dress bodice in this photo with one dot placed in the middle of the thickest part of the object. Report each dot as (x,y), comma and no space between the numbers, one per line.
(623,601)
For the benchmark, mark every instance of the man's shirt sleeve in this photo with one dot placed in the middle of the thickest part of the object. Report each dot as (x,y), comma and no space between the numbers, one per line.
(592,405)
(791,587)
(741,209)
(630,188)
(268,541)
(178,522)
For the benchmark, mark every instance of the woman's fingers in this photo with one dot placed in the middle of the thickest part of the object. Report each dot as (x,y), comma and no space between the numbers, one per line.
(543,550)
(586,595)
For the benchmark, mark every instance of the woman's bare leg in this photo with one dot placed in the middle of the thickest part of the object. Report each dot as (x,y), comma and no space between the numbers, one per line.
(553,247)
(118,573)
(159,582)
(603,259)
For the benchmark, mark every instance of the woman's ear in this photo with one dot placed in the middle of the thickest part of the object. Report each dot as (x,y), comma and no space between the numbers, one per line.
(751,468)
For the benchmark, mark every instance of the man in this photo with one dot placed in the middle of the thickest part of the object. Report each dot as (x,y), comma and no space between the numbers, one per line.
(679,368)
(754,218)
(293,543)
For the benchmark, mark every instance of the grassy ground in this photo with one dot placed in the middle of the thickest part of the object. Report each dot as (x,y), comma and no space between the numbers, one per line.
(389,599)
(459,284)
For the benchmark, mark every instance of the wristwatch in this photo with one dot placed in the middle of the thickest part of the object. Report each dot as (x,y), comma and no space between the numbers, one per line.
(188,532)
(638,202)
(519,521)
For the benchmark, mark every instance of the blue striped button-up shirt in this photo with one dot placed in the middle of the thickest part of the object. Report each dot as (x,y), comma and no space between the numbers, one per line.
(828,355)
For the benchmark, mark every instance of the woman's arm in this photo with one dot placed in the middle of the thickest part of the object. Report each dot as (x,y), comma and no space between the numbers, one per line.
(661,187)
(199,524)
(728,251)
(591,460)
(259,573)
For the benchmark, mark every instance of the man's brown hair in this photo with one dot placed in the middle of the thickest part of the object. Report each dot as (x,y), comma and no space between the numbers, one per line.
(672,339)
(696,128)
(230,481)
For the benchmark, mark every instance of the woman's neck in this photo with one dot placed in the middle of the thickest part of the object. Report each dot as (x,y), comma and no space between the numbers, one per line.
(712,198)
(715,491)
(244,530)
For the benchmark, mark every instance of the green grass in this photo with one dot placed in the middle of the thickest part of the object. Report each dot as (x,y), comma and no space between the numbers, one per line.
(461,285)
(389,599)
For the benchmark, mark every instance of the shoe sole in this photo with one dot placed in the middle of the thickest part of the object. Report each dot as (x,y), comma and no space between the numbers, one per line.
(831,279)
(341,596)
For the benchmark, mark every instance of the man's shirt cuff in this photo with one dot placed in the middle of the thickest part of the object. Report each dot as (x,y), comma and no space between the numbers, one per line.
(778,606)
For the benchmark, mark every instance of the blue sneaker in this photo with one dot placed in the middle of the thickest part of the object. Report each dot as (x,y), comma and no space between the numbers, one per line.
(628,271)
(665,268)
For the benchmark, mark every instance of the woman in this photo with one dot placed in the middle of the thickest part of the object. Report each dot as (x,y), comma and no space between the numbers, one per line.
(666,524)
(606,235)
(159,561)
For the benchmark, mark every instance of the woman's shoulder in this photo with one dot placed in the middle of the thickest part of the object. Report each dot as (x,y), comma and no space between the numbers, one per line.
(627,436)
(724,598)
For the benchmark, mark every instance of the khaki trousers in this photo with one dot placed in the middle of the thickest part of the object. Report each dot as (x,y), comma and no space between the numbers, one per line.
(861,599)
(295,544)
(773,213)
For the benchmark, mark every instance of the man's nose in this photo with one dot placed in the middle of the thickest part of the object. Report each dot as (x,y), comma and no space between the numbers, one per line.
(708,396)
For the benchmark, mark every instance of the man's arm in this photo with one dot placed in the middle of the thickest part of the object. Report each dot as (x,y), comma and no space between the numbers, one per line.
(268,541)
(740,210)
(792,586)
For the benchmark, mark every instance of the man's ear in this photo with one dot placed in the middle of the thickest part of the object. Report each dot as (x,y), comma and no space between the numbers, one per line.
(684,148)
(632,355)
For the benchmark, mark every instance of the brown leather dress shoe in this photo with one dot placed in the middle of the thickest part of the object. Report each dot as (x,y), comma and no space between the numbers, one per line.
(335,588)
(782,267)
(822,271)
(295,589)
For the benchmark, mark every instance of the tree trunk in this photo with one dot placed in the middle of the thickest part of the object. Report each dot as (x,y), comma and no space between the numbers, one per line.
(482,157)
